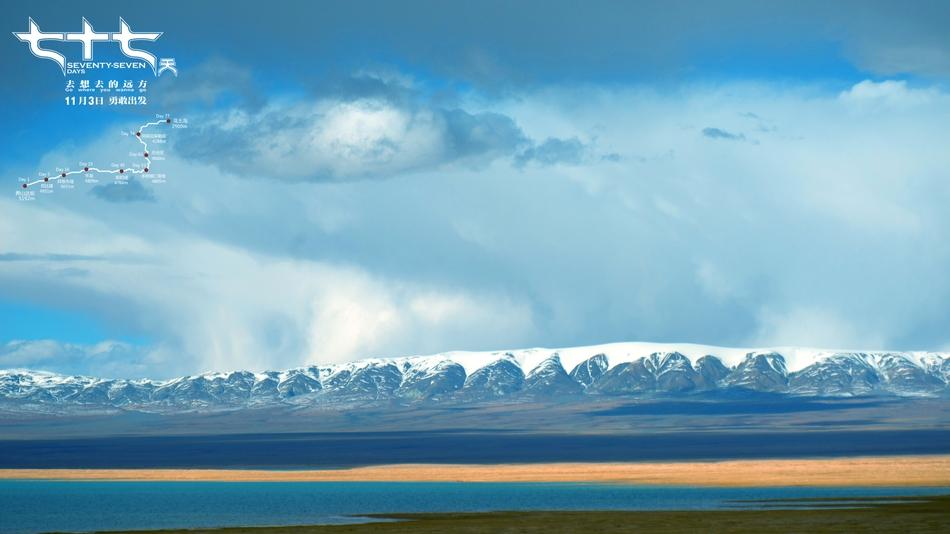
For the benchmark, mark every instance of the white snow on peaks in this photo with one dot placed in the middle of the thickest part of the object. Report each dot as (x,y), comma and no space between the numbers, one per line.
(529,359)
(796,359)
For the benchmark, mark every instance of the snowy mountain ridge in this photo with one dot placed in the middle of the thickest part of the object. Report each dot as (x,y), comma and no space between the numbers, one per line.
(634,369)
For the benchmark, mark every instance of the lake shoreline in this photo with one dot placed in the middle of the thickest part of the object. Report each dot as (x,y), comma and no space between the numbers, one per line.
(876,471)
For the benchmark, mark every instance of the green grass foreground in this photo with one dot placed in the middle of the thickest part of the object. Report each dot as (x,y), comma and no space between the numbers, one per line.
(917,514)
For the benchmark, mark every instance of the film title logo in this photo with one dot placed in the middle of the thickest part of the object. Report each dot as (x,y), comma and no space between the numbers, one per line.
(35,37)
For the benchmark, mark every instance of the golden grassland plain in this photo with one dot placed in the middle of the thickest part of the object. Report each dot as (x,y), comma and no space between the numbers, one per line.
(931,470)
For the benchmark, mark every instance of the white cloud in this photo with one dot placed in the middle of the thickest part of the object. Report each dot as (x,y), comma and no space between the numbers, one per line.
(813,327)
(334,139)
(356,138)
(714,282)
(869,94)
(833,230)
(222,307)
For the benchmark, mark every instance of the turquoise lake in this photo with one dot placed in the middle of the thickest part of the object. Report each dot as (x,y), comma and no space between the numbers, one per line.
(42,506)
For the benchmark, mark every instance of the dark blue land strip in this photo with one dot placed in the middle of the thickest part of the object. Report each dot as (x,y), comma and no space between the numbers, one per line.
(334,450)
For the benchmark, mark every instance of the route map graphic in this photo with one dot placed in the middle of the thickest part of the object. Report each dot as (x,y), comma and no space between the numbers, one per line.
(153,131)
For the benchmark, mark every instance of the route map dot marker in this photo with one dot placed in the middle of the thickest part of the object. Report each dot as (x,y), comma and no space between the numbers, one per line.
(168,121)
(146,154)
(24,186)
(138,134)
(85,169)
(121,171)
(146,169)
(62,174)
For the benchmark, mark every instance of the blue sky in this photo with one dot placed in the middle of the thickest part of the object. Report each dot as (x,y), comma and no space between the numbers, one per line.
(389,178)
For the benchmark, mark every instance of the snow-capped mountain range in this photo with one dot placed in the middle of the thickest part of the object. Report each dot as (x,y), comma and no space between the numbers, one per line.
(620,369)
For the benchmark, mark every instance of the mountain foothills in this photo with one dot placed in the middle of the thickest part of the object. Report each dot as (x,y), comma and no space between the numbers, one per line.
(622,369)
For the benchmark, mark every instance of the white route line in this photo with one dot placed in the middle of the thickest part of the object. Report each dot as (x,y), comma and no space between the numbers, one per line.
(87,170)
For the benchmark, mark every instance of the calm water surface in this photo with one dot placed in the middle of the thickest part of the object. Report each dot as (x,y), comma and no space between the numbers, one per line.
(42,506)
